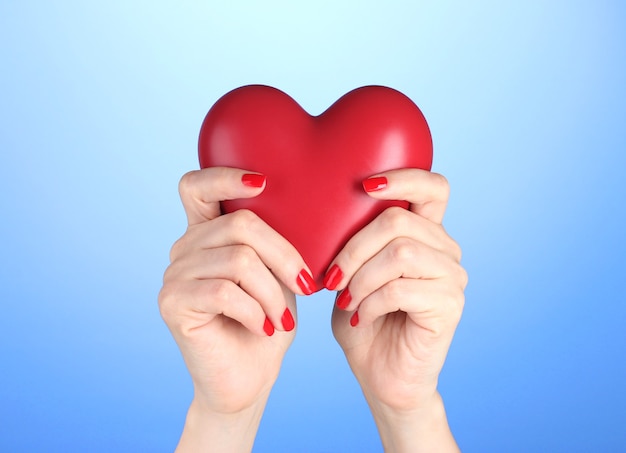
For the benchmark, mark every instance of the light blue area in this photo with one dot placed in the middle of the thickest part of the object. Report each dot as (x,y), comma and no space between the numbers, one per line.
(100,107)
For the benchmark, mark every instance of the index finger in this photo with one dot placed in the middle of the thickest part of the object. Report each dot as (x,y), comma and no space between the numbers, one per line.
(202,190)
(426,192)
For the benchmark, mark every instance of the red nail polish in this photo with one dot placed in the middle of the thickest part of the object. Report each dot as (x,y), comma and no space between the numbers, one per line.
(287,320)
(375,184)
(344,299)
(333,277)
(355,319)
(268,328)
(306,282)
(253,180)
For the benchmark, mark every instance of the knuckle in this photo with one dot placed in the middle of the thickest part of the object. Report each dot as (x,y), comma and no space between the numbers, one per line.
(243,257)
(186,182)
(177,248)
(167,301)
(170,273)
(442,185)
(222,291)
(402,250)
(463,277)
(395,219)
(243,220)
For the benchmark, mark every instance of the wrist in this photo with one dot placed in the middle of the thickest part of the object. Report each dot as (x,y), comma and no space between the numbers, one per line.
(209,430)
(423,428)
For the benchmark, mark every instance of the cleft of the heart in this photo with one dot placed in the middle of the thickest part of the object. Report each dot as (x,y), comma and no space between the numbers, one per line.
(315,165)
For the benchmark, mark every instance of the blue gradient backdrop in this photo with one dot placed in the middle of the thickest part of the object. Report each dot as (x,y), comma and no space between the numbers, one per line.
(100,107)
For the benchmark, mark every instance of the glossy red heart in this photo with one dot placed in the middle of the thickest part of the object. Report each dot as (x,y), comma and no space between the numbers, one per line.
(315,164)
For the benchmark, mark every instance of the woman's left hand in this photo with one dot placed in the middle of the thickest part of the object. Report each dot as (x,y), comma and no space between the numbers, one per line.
(402,295)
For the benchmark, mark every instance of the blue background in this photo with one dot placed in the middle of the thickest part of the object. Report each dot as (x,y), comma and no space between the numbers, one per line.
(100,107)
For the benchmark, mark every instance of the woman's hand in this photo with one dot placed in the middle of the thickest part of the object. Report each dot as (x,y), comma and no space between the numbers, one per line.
(400,302)
(229,287)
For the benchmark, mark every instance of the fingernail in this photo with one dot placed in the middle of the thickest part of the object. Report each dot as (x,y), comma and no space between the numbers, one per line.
(306,282)
(355,319)
(344,299)
(253,180)
(375,184)
(268,328)
(287,320)
(333,277)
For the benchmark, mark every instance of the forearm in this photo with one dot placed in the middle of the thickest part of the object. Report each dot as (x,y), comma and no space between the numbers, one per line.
(421,430)
(207,431)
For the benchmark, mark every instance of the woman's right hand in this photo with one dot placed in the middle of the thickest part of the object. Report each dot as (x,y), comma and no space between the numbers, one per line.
(229,287)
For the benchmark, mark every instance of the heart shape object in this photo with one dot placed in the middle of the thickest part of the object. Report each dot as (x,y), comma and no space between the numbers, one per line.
(315,165)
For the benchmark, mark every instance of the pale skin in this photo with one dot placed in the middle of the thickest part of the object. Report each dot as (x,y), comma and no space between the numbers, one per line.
(232,274)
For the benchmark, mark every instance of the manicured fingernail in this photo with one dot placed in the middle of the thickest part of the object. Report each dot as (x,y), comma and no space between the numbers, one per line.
(306,282)
(344,299)
(374,184)
(253,180)
(287,320)
(333,277)
(268,328)
(355,319)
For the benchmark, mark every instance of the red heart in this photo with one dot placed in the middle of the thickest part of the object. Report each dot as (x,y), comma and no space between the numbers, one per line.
(315,164)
